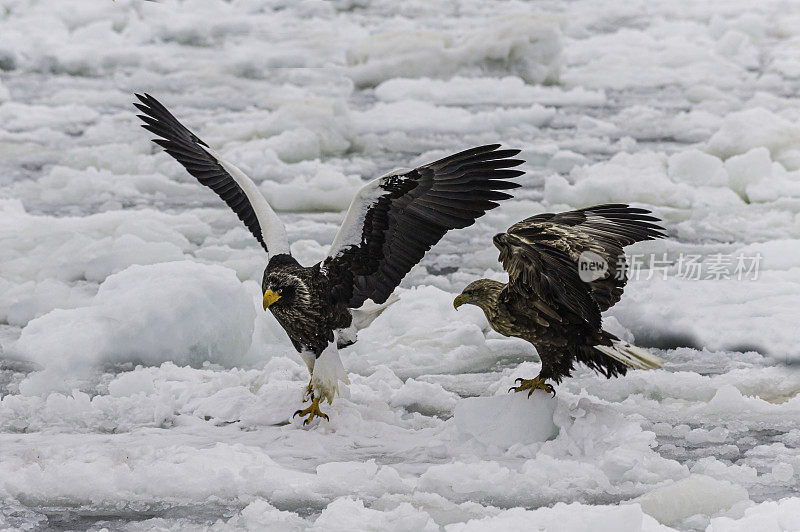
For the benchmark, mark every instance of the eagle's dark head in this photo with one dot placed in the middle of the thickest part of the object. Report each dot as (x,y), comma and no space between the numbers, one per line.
(482,293)
(283,291)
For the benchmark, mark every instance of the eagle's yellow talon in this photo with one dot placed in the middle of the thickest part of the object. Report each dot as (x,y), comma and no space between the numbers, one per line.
(532,385)
(312,412)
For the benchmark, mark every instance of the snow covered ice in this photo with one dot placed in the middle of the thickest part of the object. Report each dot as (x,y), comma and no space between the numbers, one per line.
(142,387)
(495,420)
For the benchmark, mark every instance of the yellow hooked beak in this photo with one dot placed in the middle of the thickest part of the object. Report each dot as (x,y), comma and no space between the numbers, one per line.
(270,297)
(460,300)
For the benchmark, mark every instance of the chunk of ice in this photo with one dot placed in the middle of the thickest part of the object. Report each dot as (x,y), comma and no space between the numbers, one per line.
(503,420)
(696,494)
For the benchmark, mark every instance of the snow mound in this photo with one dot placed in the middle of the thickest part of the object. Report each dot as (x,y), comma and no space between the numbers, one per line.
(509,90)
(332,191)
(753,128)
(182,312)
(22,302)
(299,129)
(261,515)
(642,177)
(563,517)
(90,247)
(666,53)
(268,145)
(89,186)
(748,197)
(528,45)
(415,117)
(596,451)
(769,516)
(504,420)
(724,314)
(696,494)
(347,513)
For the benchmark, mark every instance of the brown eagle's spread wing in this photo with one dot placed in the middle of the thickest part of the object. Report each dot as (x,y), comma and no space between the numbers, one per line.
(602,229)
(546,277)
(395,219)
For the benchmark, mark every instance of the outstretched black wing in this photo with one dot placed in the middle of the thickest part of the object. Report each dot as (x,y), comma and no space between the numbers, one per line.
(603,230)
(230,184)
(395,219)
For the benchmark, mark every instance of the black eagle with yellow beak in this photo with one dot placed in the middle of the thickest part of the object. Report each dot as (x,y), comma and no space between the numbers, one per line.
(299,298)
(391,223)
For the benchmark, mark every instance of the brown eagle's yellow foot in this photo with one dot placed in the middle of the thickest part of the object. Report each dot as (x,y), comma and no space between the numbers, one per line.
(312,412)
(533,384)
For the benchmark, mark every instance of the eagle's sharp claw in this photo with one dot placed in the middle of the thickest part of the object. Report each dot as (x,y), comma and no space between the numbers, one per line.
(532,385)
(312,411)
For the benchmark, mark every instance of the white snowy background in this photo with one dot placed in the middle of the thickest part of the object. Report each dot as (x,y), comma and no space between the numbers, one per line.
(143,388)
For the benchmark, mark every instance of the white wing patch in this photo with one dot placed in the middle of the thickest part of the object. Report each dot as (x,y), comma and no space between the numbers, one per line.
(350,232)
(272,230)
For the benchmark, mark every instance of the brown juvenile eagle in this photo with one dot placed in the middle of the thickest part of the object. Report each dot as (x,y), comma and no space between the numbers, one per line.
(392,221)
(546,301)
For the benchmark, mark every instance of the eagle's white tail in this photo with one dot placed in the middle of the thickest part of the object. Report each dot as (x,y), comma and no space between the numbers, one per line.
(369,311)
(630,355)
